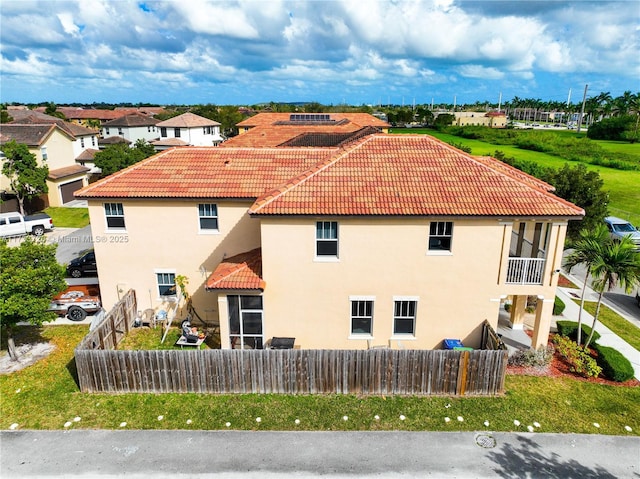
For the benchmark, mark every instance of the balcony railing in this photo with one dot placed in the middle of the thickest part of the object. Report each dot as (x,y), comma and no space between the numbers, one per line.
(525,270)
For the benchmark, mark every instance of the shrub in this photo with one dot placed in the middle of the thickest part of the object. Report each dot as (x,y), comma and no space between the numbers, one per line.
(570,330)
(558,306)
(614,365)
(528,357)
(579,359)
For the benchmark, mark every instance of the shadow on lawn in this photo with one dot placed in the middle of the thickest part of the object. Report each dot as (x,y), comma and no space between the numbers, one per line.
(526,460)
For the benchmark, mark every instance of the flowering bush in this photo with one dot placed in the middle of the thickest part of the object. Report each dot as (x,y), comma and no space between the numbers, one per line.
(578,358)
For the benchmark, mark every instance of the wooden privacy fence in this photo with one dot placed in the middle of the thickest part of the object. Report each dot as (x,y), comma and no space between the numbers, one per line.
(102,368)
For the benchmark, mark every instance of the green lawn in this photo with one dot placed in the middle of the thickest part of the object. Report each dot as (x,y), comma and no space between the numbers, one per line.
(616,323)
(558,405)
(623,186)
(68,217)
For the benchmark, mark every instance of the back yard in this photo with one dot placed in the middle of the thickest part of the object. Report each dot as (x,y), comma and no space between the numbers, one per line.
(46,396)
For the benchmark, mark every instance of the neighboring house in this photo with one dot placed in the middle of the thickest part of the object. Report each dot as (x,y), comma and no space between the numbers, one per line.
(400,241)
(132,127)
(266,130)
(492,119)
(193,130)
(93,117)
(61,145)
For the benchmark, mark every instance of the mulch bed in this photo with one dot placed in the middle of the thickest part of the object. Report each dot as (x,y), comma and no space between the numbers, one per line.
(564,282)
(559,368)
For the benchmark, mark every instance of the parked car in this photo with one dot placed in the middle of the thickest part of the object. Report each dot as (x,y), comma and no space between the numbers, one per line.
(619,228)
(77,301)
(84,265)
(14,224)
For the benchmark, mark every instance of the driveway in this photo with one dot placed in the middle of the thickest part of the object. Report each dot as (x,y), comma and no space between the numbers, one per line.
(71,242)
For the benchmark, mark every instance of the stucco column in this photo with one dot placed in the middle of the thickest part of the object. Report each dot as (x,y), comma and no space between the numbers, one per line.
(542,327)
(223,314)
(518,306)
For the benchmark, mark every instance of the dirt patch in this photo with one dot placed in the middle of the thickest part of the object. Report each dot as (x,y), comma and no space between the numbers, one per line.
(28,354)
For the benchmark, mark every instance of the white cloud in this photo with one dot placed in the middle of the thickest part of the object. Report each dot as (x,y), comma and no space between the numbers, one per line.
(479,71)
(66,20)
(215,18)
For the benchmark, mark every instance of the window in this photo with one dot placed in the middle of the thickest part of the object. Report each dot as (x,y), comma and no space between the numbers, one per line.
(120,132)
(93,141)
(81,142)
(440,234)
(208,217)
(176,132)
(114,213)
(327,238)
(362,316)
(43,152)
(404,316)
(166,284)
(106,131)
(163,132)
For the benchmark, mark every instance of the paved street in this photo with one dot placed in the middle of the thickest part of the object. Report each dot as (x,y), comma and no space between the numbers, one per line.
(236,454)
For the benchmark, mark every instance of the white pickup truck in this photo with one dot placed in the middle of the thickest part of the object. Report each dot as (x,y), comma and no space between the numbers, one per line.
(14,224)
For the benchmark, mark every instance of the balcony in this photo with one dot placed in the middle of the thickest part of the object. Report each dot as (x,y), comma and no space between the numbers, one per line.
(525,270)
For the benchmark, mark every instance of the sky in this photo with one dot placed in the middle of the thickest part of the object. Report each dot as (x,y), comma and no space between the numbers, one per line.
(358,52)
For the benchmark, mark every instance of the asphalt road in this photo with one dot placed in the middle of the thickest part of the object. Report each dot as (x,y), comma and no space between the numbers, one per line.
(237,454)
(71,242)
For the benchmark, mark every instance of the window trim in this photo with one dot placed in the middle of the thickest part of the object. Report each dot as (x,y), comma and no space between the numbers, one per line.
(328,258)
(208,231)
(440,252)
(406,336)
(116,229)
(352,299)
(167,297)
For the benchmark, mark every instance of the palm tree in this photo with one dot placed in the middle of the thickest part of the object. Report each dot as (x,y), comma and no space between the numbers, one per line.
(586,249)
(618,263)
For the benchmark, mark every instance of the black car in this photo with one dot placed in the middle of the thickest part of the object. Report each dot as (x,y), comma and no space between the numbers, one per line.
(85,265)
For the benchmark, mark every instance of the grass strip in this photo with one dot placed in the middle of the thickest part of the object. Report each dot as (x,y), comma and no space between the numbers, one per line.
(616,323)
(45,396)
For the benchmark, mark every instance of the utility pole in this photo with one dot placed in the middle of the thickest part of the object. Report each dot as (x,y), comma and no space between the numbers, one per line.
(584,100)
(499,102)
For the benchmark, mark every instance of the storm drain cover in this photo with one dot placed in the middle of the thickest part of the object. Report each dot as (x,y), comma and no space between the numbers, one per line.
(486,441)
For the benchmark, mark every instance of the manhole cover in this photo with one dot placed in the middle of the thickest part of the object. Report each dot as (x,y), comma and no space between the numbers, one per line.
(486,441)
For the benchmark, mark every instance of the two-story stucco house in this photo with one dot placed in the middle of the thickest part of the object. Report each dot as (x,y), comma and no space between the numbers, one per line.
(132,127)
(64,147)
(387,240)
(188,129)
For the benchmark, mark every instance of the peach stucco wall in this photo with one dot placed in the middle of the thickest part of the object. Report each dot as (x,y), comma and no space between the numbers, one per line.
(384,259)
(164,235)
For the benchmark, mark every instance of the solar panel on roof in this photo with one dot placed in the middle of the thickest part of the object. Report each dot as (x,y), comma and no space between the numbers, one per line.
(309,117)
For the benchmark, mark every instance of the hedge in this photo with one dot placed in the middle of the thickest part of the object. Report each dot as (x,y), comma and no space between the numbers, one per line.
(570,330)
(614,365)
(558,306)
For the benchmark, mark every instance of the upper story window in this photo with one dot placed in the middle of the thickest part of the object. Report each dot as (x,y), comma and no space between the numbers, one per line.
(120,133)
(362,317)
(163,132)
(82,142)
(440,235)
(93,141)
(208,217)
(106,131)
(327,239)
(114,214)
(176,132)
(166,284)
(404,316)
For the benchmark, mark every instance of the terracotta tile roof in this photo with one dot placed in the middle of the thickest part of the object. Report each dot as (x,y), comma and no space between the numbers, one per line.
(30,135)
(36,118)
(409,175)
(132,120)
(113,140)
(93,114)
(515,172)
(358,119)
(207,172)
(282,135)
(243,271)
(67,171)
(187,120)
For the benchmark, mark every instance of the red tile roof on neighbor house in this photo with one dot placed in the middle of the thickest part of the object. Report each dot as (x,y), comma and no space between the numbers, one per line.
(67,171)
(188,120)
(207,172)
(242,271)
(273,129)
(410,175)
